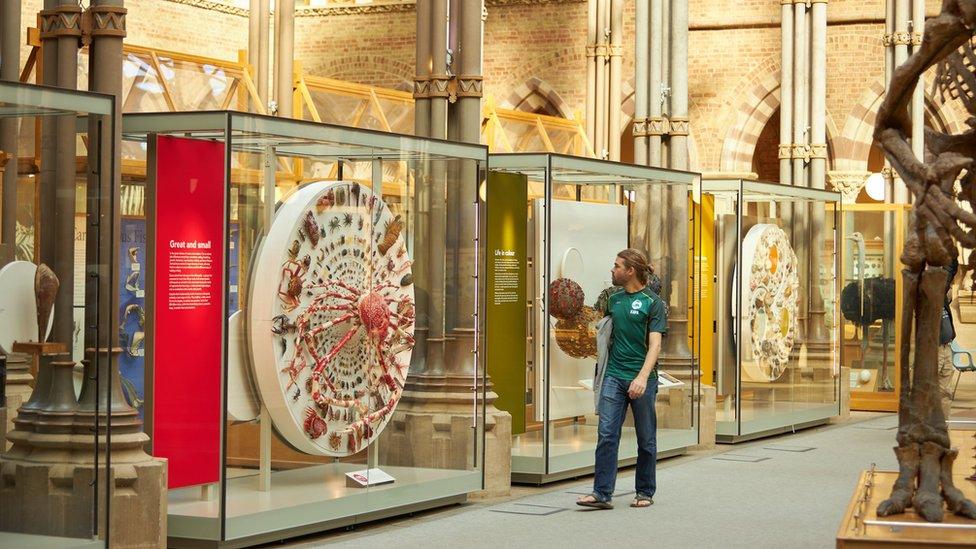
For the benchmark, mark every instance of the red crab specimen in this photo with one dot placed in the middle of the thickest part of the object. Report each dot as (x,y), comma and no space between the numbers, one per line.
(290,287)
(314,425)
(325,201)
(385,321)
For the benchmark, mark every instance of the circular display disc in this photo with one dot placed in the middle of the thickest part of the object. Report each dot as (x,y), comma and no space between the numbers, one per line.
(18,304)
(331,320)
(770,299)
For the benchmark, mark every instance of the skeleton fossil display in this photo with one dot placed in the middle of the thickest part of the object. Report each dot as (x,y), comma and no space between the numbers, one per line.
(936,224)
(341,323)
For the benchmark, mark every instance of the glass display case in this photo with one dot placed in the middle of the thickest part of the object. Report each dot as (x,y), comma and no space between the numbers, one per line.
(777,333)
(57,172)
(870,302)
(312,324)
(557,223)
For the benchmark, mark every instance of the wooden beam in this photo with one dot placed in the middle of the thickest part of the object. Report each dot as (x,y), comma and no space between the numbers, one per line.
(167,95)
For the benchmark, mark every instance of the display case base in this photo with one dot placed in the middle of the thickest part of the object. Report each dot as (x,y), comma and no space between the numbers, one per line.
(307,500)
(538,479)
(10,539)
(571,452)
(772,431)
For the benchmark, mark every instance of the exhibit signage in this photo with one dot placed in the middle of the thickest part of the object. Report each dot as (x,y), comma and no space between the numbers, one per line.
(507,225)
(188,308)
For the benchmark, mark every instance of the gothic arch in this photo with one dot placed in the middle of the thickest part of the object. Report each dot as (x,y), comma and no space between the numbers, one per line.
(758,105)
(537,96)
(854,144)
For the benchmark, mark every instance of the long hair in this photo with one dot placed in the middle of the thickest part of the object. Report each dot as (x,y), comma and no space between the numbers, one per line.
(635,259)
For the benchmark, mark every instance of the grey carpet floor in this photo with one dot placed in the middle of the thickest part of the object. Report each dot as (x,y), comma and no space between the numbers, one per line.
(786,491)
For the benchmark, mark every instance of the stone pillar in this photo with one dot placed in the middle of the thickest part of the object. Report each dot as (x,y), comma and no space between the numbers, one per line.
(591,60)
(901,39)
(817,337)
(285,57)
(786,95)
(136,483)
(65,24)
(676,355)
(600,58)
(616,77)
(45,236)
(434,422)
(918,98)
(801,154)
(10,13)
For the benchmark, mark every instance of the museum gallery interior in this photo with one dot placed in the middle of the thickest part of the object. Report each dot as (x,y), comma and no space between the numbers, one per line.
(299,270)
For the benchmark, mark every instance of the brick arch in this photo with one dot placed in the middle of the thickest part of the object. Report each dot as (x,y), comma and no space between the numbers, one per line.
(753,113)
(369,69)
(854,144)
(536,95)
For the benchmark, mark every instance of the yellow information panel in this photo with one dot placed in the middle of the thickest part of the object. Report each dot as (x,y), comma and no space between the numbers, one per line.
(702,262)
(505,316)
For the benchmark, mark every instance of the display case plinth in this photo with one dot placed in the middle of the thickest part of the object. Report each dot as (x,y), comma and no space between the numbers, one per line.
(861,527)
(571,452)
(52,499)
(299,498)
(20,385)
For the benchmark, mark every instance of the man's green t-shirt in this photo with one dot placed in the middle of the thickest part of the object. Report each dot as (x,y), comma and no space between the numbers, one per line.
(634,316)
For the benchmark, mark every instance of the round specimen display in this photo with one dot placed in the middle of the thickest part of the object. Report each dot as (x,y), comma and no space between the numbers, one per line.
(577,336)
(565,298)
(770,298)
(331,319)
(18,305)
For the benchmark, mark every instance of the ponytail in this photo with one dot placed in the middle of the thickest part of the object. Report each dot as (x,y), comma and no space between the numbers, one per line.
(635,259)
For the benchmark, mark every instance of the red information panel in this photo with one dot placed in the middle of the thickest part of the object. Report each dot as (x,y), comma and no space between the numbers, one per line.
(188,308)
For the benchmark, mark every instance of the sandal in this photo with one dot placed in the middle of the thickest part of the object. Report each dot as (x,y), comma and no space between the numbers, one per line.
(642,501)
(595,502)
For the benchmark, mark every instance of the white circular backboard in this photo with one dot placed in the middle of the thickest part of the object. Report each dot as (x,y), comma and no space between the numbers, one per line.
(331,317)
(770,298)
(242,399)
(18,304)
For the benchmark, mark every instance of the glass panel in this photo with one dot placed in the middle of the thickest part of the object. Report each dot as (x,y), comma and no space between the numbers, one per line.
(336,335)
(868,305)
(571,228)
(45,390)
(778,357)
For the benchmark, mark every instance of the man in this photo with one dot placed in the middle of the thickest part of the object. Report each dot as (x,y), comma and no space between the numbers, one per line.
(947,333)
(638,321)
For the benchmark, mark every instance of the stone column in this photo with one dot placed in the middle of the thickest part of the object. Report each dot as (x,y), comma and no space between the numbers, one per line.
(421,199)
(817,335)
(591,60)
(786,94)
(10,13)
(65,24)
(437,218)
(285,57)
(616,77)
(600,59)
(641,92)
(45,236)
(136,481)
(901,39)
(801,152)
(918,98)
(657,127)
(676,353)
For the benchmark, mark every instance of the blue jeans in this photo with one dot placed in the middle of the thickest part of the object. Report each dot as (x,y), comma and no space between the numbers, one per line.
(613,409)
